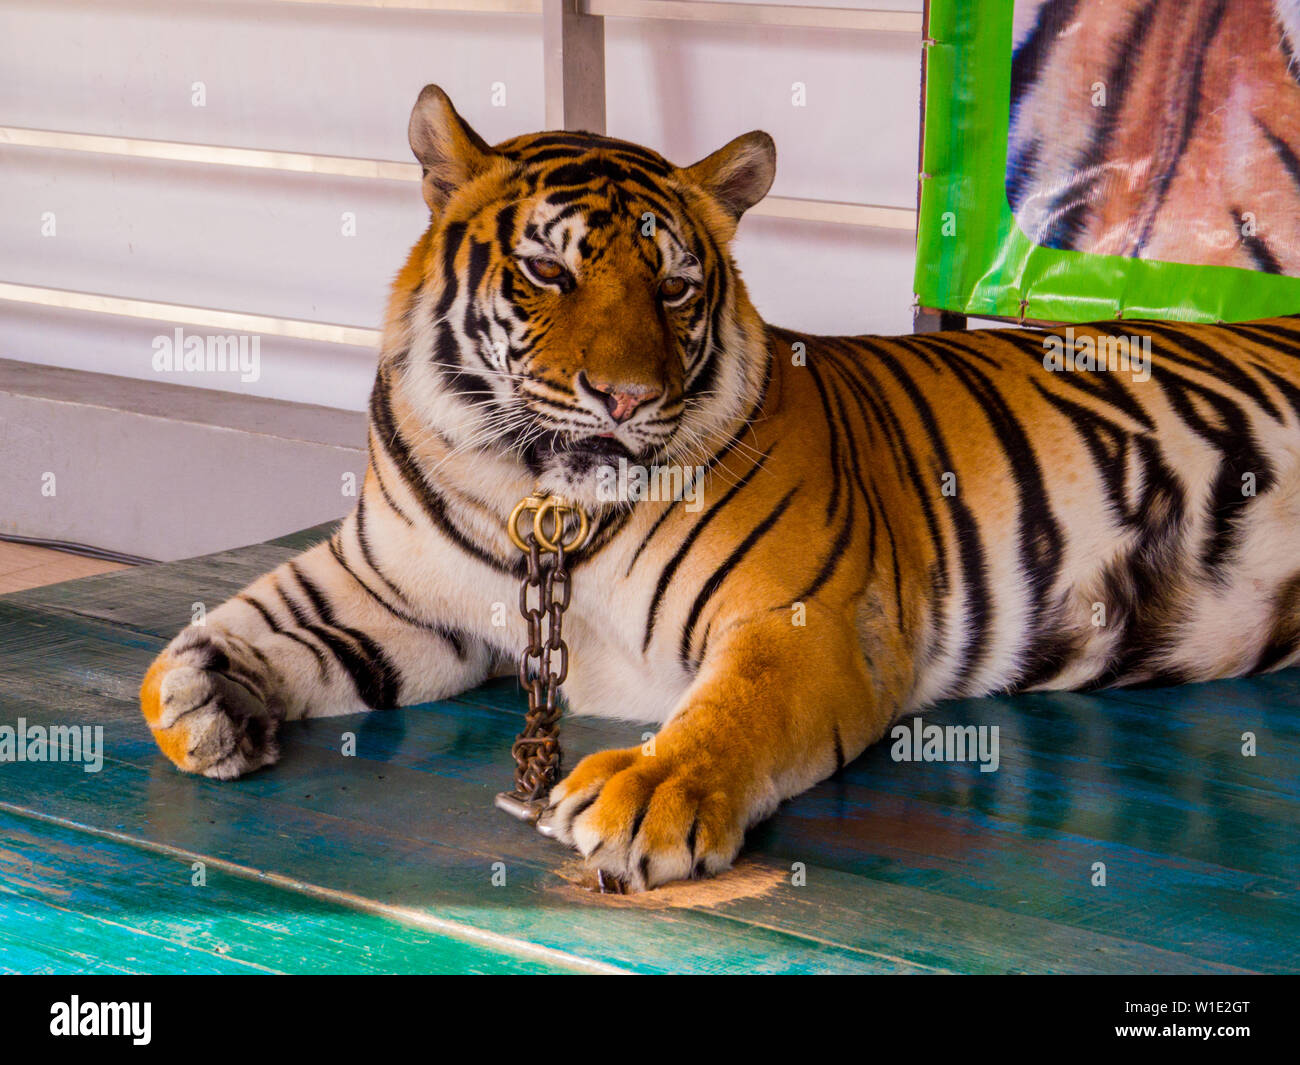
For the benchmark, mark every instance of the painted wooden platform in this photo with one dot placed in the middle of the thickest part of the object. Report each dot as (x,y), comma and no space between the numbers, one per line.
(385,861)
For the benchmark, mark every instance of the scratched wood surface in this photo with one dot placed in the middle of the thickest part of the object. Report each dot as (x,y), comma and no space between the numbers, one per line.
(393,859)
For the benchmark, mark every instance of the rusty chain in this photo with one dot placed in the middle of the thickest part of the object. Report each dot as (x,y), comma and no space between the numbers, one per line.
(544,594)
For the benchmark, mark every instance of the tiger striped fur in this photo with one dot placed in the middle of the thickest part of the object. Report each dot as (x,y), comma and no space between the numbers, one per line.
(1159,129)
(885,522)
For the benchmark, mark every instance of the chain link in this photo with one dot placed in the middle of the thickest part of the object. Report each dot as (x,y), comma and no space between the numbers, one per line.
(544,594)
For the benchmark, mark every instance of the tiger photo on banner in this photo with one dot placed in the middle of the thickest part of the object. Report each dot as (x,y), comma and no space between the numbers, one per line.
(1166,130)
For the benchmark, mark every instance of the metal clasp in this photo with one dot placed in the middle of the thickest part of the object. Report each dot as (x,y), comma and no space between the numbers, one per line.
(519,809)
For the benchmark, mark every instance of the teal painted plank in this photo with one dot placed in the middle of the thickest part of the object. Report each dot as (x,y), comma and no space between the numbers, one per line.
(910,867)
(144,912)
(1268,701)
(36,938)
(1055,862)
(336,786)
(158,599)
(532,907)
(243,822)
(1110,775)
(643,944)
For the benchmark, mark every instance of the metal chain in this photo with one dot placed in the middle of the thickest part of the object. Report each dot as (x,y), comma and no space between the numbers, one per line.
(544,594)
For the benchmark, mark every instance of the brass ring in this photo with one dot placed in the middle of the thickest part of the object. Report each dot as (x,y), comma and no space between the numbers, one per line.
(560,507)
(512,525)
(584,528)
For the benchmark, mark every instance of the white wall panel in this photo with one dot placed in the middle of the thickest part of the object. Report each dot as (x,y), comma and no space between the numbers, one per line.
(687,89)
(340,81)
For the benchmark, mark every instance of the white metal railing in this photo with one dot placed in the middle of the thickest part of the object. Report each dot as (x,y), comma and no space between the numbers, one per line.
(857,214)
(210,154)
(182,314)
(574,62)
(467,7)
(792,16)
(789,16)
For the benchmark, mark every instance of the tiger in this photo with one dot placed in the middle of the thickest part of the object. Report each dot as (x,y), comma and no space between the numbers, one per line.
(1159,129)
(882,522)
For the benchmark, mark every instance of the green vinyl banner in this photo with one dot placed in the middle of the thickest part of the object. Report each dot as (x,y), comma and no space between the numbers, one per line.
(1087,160)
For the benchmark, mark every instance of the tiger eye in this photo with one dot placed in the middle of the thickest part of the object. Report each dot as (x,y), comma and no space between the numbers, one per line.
(546,268)
(673,288)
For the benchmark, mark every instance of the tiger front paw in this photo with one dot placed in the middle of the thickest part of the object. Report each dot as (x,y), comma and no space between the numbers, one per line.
(649,819)
(207,699)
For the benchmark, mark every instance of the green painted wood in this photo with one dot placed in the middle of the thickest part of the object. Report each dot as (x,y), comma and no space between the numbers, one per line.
(909,867)
(139,911)
(367,838)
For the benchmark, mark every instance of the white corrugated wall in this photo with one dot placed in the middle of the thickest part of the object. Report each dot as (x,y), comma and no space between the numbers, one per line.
(340,80)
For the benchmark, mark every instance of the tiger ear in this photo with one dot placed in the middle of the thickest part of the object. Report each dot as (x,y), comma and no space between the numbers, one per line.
(450,152)
(738,174)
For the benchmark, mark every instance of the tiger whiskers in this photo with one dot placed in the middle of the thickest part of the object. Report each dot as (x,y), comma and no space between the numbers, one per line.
(484,436)
(509,375)
(698,449)
(694,452)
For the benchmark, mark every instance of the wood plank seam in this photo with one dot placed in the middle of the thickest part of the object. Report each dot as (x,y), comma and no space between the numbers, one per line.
(399,914)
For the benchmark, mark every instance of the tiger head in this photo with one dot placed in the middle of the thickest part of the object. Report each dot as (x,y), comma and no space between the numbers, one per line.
(573,301)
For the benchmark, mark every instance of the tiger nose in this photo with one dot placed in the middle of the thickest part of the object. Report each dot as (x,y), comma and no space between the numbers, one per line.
(621,400)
